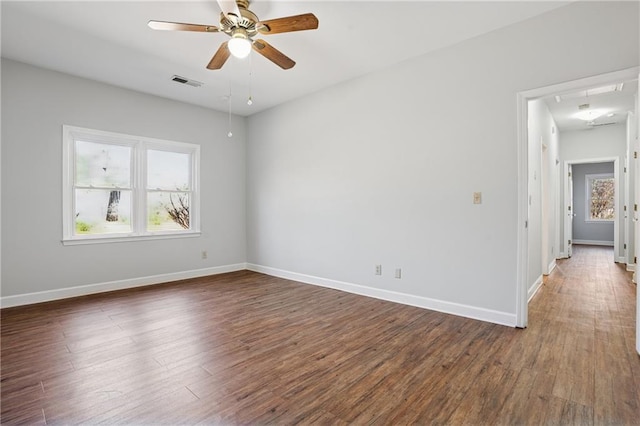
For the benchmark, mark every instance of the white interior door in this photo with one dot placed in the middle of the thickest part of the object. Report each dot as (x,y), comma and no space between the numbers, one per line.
(636,214)
(626,212)
(568,223)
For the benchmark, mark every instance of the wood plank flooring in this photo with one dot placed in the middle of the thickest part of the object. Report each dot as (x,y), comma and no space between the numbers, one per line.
(246,348)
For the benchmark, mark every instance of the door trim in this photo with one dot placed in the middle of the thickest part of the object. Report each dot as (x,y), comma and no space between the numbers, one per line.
(616,197)
(523,98)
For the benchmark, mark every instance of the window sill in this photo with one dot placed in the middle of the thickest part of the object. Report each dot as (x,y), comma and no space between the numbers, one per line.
(127,239)
(599,221)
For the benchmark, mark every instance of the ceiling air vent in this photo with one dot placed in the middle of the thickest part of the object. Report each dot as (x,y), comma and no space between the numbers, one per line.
(187,81)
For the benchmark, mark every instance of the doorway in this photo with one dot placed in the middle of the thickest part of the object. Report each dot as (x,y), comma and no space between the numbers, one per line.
(528,213)
(592,194)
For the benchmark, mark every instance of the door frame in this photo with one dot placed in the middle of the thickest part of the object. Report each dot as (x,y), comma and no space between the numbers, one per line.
(616,199)
(522,258)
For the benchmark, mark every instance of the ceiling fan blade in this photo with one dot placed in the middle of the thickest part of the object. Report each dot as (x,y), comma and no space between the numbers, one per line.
(308,21)
(273,54)
(220,57)
(178,26)
(229,8)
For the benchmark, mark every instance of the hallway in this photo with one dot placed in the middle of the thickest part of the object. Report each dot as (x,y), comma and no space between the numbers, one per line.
(584,320)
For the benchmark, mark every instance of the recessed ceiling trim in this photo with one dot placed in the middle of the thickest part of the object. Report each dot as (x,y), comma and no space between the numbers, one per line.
(590,92)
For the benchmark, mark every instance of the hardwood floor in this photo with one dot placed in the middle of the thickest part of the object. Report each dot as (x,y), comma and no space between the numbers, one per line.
(252,349)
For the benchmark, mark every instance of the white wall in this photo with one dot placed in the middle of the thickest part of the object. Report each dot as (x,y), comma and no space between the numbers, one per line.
(551,167)
(600,142)
(381,169)
(35,105)
(543,177)
(537,130)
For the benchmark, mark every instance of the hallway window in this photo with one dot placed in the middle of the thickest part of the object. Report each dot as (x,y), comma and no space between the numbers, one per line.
(600,197)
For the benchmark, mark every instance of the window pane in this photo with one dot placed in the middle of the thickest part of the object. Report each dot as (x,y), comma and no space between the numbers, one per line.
(168,170)
(602,197)
(100,211)
(103,165)
(168,211)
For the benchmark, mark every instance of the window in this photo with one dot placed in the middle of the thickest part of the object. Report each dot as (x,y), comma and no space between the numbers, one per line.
(122,187)
(600,197)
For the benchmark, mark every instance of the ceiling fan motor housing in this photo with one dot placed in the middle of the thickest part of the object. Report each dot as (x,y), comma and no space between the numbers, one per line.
(247,21)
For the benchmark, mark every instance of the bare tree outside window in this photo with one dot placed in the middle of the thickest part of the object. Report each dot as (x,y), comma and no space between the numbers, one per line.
(601,198)
(112,207)
(179,210)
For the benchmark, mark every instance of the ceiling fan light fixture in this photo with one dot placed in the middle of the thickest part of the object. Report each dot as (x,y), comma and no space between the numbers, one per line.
(240,45)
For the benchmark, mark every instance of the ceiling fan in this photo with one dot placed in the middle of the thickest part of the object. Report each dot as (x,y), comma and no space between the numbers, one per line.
(242,25)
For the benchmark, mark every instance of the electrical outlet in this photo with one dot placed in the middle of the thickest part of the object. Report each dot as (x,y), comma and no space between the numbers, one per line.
(477,198)
(378,269)
(204,254)
(398,273)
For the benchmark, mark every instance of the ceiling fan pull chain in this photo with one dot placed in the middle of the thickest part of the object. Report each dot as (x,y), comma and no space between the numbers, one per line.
(230,134)
(250,100)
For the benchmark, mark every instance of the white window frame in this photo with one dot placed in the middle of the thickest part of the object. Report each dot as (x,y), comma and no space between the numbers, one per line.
(139,146)
(587,187)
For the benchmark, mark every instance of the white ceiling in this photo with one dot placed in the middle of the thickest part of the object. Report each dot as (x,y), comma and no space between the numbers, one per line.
(617,103)
(109,41)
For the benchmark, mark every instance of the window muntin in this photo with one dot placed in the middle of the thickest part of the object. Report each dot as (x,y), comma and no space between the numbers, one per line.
(600,198)
(168,194)
(123,187)
(102,188)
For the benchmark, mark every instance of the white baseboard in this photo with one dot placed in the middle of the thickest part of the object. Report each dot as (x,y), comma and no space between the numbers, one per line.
(83,290)
(593,242)
(551,267)
(534,288)
(482,314)
(467,311)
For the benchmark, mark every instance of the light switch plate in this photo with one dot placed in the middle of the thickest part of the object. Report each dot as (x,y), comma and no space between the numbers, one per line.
(477,198)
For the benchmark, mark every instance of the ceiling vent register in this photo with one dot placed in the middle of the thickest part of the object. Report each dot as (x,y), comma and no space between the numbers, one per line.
(187,81)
